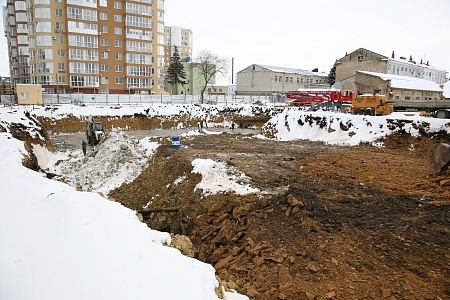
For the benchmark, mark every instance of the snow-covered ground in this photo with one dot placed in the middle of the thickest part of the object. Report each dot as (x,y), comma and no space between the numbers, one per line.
(349,130)
(60,243)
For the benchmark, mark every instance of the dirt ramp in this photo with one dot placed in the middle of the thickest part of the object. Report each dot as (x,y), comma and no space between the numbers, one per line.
(166,183)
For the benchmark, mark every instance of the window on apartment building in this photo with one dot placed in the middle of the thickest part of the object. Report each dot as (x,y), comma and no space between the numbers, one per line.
(360,57)
(60,53)
(117,18)
(119,68)
(104,29)
(287,79)
(117,5)
(104,55)
(276,78)
(301,80)
(62,79)
(118,43)
(118,56)
(103,42)
(103,16)
(117,30)
(417,98)
(105,68)
(58,12)
(407,98)
(119,80)
(280,79)
(60,39)
(298,80)
(61,66)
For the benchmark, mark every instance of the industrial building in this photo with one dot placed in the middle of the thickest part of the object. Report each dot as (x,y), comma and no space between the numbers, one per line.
(269,80)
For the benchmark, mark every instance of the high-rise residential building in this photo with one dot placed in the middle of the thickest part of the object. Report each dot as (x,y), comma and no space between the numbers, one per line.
(87,46)
(181,38)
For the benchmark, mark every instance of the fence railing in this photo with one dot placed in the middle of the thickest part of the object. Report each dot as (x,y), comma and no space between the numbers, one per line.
(138,99)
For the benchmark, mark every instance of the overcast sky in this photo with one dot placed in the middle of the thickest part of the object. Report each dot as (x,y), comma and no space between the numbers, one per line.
(306,34)
(309,34)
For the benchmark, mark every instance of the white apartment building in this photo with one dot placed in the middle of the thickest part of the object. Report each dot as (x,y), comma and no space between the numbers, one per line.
(182,38)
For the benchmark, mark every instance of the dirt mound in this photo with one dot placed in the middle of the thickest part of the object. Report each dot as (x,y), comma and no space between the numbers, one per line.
(336,223)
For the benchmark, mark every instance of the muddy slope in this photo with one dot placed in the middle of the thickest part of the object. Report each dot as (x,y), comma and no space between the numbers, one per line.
(338,223)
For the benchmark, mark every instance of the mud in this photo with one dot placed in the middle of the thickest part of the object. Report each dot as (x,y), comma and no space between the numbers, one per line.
(336,223)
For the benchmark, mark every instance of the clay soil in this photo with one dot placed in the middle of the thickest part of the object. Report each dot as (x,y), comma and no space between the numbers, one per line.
(330,222)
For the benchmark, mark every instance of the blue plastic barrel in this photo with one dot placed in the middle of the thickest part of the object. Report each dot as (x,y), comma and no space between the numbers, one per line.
(176,142)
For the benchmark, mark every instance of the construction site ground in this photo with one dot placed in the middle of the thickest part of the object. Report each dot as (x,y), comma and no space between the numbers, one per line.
(329,222)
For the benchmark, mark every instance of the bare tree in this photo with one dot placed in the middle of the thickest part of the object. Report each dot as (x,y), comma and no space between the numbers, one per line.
(209,65)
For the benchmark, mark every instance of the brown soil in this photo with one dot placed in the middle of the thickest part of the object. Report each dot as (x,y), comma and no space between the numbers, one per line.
(338,223)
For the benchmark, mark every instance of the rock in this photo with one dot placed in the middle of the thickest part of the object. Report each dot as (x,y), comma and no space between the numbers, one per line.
(258,260)
(330,295)
(295,210)
(250,290)
(223,263)
(184,244)
(312,267)
(284,275)
(310,296)
(288,212)
(386,293)
(235,250)
(294,201)
(241,211)
(218,254)
(237,269)
(334,261)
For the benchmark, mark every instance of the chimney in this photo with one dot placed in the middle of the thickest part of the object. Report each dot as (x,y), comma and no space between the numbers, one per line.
(421,61)
(346,53)
(410,58)
(393,55)
(428,63)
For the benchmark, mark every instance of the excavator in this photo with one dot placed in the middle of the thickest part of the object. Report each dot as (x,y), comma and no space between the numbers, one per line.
(439,158)
(94,131)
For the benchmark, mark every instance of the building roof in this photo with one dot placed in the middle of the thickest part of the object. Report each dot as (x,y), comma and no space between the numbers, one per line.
(405,82)
(293,71)
(447,89)
(413,63)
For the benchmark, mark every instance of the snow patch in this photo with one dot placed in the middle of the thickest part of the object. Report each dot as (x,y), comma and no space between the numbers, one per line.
(217,177)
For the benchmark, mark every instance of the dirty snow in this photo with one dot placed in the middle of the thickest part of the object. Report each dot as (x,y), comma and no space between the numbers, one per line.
(348,130)
(217,177)
(117,159)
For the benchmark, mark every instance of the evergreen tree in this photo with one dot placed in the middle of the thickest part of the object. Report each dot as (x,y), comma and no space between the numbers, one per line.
(331,79)
(175,73)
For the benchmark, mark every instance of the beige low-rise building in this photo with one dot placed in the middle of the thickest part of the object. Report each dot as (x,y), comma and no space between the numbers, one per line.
(270,80)
(402,90)
(29,94)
